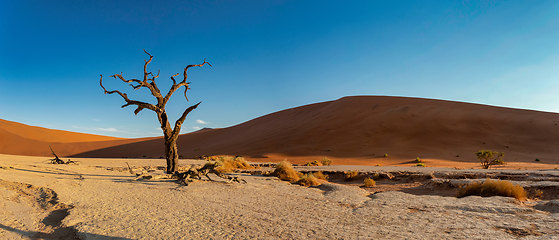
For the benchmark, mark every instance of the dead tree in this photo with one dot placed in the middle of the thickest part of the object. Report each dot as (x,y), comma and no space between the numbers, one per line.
(170,134)
(57,160)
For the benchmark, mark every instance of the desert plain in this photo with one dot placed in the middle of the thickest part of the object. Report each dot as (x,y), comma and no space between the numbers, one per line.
(380,137)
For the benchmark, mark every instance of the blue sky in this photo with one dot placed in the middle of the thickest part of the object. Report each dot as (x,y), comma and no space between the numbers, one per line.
(268,56)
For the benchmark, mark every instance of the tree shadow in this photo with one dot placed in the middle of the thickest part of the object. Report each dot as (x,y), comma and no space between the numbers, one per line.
(67,233)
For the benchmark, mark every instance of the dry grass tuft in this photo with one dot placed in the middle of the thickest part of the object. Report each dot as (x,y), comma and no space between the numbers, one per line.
(308,180)
(492,188)
(320,175)
(369,182)
(284,171)
(351,175)
(228,164)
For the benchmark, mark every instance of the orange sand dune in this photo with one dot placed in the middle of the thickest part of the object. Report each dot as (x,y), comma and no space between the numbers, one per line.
(21,139)
(364,128)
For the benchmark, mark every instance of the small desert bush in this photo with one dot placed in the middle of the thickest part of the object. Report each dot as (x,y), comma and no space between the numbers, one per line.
(492,188)
(421,165)
(228,164)
(308,180)
(386,155)
(369,182)
(487,158)
(284,171)
(326,161)
(313,163)
(351,175)
(211,158)
(320,175)
(418,160)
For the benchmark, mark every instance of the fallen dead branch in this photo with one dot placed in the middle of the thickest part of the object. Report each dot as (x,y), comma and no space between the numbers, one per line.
(57,160)
(188,176)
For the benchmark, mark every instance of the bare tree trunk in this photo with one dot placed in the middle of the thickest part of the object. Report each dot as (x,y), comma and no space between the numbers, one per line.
(171,155)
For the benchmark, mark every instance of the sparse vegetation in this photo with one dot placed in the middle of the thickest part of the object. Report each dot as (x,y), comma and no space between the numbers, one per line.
(490,188)
(418,160)
(308,180)
(369,182)
(326,161)
(320,175)
(537,159)
(487,158)
(313,163)
(386,155)
(228,164)
(284,171)
(351,175)
(538,193)
(421,165)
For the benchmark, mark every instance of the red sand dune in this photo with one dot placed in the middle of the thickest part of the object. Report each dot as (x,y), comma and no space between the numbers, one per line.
(21,139)
(366,127)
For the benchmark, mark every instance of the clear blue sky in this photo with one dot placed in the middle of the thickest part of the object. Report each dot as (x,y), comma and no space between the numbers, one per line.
(268,56)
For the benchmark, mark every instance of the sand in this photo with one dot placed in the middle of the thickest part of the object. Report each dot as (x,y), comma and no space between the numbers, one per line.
(364,128)
(21,139)
(98,198)
(351,130)
(101,202)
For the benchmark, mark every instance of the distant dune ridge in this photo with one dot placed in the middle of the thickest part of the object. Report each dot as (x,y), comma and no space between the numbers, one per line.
(350,127)
(21,139)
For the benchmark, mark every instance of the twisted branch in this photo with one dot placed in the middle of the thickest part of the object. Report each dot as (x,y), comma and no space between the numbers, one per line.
(141,105)
(183,82)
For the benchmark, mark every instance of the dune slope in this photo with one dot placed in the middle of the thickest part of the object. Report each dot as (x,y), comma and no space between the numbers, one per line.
(21,139)
(368,127)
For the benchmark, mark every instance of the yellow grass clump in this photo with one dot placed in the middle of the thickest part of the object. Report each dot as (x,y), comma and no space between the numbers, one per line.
(320,175)
(351,175)
(228,164)
(369,182)
(492,188)
(284,171)
(308,180)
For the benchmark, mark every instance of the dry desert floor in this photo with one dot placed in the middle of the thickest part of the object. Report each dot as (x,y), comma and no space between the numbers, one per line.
(96,199)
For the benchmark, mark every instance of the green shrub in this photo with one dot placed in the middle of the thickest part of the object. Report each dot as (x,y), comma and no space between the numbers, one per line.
(537,159)
(326,161)
(492,188)
(418,160)
(284,171)
(487,158)
(313,163)
(369,182)
(386,155)
(421,165)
